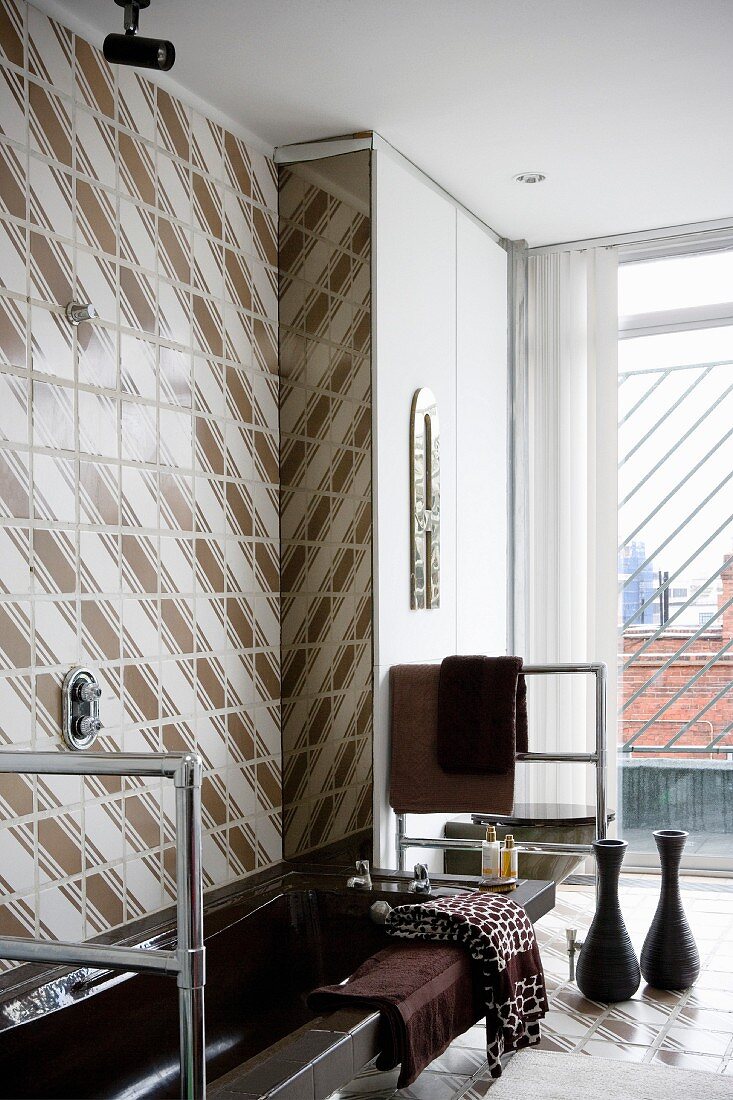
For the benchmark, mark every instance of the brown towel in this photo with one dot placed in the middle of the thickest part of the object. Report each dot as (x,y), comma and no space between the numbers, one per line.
(426,995)
(499,936)
(418,784)
(482,714)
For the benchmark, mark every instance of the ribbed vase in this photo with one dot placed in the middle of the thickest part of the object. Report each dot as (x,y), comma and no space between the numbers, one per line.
(608,969)
(669,957)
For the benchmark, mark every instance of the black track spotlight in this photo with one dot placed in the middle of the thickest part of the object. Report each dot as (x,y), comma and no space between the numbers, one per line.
(131,48)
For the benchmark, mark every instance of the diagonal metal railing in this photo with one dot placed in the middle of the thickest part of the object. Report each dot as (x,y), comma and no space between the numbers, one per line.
(679,571)
(705,628)
(676,488)
(644,398)
(675,447)
(665,416)
(679,528)
(672,619)
(702,659)
(682,691)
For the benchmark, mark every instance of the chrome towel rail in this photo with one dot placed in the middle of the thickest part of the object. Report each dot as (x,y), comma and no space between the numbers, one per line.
(186,962)
(598,758)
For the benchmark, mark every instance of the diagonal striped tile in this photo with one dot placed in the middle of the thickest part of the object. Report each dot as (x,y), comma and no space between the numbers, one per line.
(174,188)
(94,79)
(174,250)
(13,335)
(95,148)
(50,53)
(136,104)
(138,234)
(13,257)
(100,629)
(137,299)
(12,104)
(50,124)
(54,561)
(173,131)
(51,269)
(207,205)
(13,182)
(149,561)
(16,710)
(13,15)
(96,216)
(136,168)
(237,164)
(207,145)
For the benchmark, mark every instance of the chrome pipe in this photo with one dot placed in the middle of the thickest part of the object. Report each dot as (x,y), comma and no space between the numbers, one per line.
(556,847)
(187,961)
(557,757)
(676,749)
(191,951)
(560,670)
(155,764)
(601,675)
(399,842)
(193,1050)
(471,844)
(113,957)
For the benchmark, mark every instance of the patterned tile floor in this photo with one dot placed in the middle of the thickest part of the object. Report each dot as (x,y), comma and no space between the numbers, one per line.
(693,1030)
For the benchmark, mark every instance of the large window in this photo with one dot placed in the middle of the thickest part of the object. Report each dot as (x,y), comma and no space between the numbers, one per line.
(675,559)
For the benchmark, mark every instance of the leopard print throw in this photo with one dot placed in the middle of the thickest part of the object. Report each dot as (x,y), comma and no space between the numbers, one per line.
(499,935)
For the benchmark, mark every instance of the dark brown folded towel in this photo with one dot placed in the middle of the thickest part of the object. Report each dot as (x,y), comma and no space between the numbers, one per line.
(417,783)
(499,936)
(426,995)
(482,714)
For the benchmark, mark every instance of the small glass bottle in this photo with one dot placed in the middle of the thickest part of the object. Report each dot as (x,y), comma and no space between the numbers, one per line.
(509,862)
(490,848)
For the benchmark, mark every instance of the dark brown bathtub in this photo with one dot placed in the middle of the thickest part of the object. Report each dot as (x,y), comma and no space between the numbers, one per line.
(118,1037)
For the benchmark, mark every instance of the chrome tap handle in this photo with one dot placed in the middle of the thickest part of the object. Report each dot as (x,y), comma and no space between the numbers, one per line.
(362,879)
(89,692)
(421,882)
(87,726)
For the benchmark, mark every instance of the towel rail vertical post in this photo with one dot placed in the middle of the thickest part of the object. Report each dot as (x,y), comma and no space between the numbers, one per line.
(186,961)
(190,921)
(599,758)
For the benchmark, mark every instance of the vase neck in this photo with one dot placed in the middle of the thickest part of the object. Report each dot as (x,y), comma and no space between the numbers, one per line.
(608,862)
(670,849)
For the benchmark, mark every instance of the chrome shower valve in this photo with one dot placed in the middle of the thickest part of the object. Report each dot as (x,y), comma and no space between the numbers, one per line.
(81,721)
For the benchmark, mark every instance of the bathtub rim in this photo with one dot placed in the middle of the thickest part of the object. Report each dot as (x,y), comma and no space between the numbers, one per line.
(30,992)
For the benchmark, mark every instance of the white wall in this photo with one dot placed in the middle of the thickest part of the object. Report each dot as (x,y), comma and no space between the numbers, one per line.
(440,320)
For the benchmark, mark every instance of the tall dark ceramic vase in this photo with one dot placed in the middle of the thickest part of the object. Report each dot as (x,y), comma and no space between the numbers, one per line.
(608,969)
(669,957)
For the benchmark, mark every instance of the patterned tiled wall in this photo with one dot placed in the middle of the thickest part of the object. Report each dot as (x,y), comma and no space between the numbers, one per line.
(326,528)
(138,476)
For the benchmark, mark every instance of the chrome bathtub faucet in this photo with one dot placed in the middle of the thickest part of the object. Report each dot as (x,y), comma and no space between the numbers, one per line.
(421,882)
(362,880)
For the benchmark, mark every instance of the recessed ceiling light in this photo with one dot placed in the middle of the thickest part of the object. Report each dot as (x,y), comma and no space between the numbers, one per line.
(529,177)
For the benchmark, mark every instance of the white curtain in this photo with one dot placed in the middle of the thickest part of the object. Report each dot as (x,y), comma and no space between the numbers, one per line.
(571,455)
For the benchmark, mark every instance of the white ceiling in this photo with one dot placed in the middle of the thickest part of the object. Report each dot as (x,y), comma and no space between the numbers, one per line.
(624,104)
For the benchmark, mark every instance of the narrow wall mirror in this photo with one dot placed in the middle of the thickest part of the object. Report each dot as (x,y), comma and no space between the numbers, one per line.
(424,501)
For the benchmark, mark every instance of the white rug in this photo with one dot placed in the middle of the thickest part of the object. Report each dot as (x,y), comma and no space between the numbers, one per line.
(541,1075)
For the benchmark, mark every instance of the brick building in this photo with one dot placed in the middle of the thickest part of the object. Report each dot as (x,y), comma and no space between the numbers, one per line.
(711,692)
